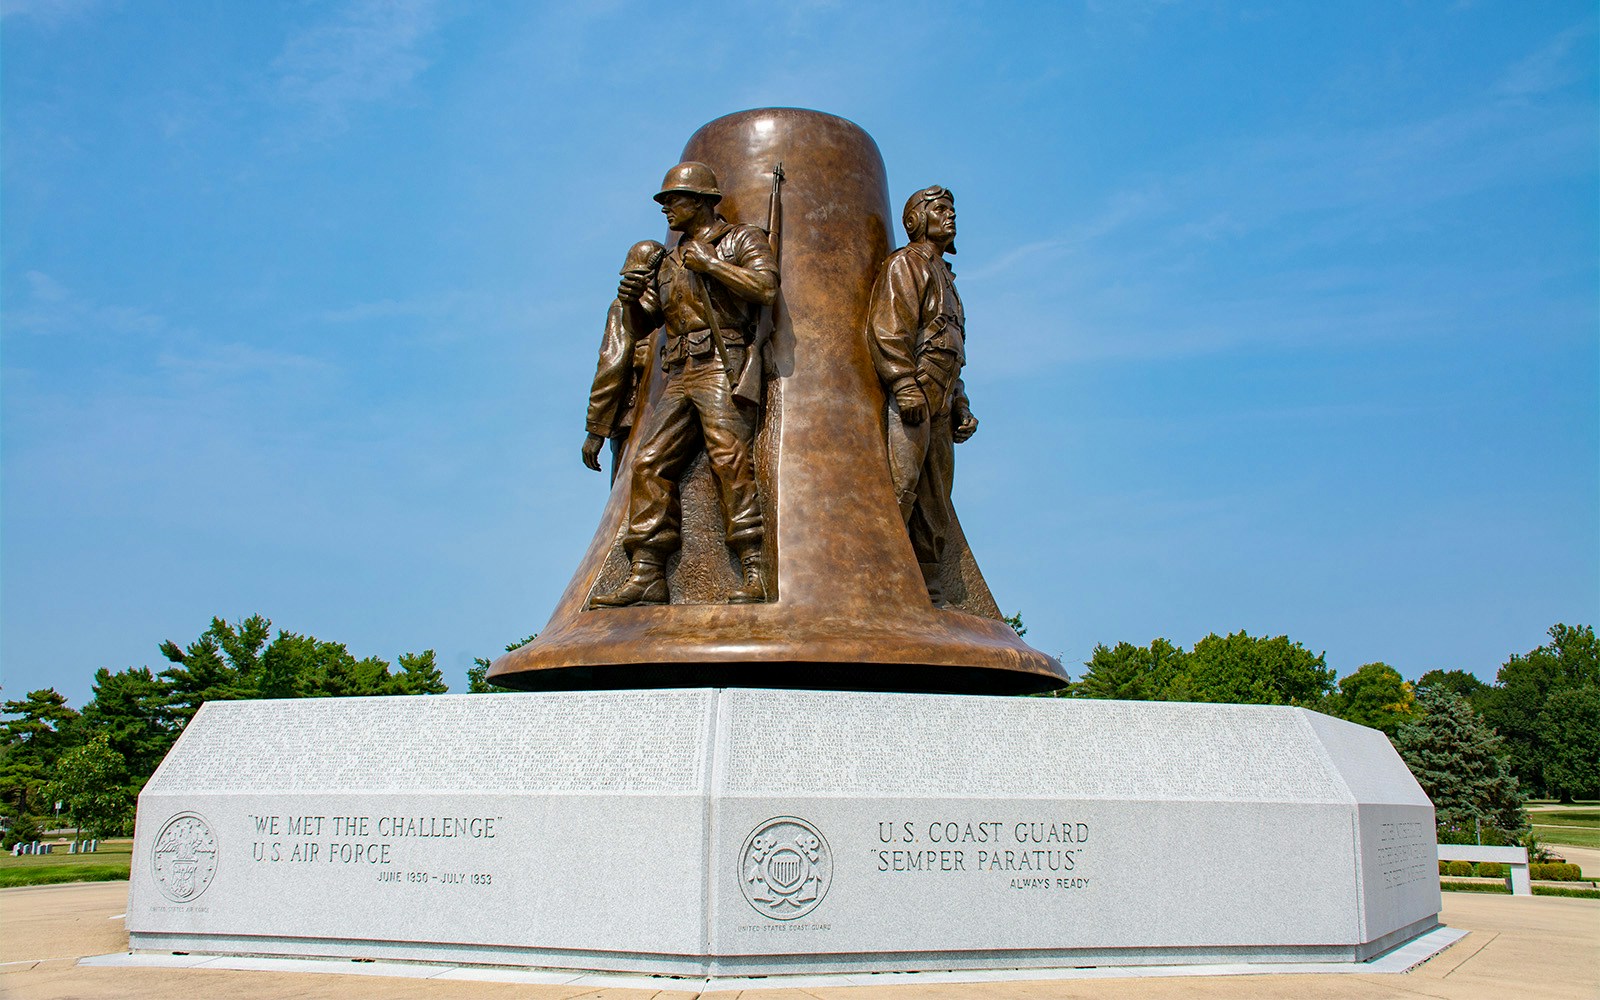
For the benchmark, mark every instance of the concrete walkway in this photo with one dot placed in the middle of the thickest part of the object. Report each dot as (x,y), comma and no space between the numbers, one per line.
(1525,947)
(1587,858)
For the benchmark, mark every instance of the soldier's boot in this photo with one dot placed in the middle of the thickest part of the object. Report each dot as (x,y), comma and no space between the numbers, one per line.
(931,577)
(646,584)
(752,589)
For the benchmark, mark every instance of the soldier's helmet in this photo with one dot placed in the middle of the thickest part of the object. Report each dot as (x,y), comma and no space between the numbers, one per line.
(691,177)
(643,256)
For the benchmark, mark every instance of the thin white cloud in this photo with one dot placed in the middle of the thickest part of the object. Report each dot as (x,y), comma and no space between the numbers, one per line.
(1552,67)
(50,13)
(1145,275)
(228,361)
(385,309)
(50,308)
(367,51)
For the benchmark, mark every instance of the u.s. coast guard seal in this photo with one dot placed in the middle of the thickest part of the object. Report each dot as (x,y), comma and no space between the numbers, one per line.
(785,868)
(185,857)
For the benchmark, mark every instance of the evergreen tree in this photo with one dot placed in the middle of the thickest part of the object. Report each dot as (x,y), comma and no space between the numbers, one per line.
(336,673)
(223,664)
(42,730)
(1133,673)
(130,708)
(419,674)
(1460,762)
(478,678)
(478,673)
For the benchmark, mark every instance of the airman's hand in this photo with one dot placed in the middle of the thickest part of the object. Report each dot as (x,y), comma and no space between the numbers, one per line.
(697,256)
(632,286)
(966,426)
(911,402)
(591,451)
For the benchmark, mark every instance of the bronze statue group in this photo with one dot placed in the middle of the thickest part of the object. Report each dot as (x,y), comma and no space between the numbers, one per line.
(708,294)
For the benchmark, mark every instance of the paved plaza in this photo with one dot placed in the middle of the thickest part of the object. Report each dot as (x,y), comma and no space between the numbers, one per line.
(1524,947)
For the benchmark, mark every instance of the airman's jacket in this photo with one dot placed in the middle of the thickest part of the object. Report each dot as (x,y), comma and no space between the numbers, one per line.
(917,327)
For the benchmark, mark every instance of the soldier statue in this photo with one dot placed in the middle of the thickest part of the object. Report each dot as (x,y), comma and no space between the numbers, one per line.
(916,328)
(708,291)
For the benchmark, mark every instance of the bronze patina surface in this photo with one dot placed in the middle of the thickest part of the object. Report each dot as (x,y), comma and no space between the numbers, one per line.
(847,604)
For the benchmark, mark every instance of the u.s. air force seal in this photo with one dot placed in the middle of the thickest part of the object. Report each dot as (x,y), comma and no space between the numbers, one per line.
(185,857)
(785,868)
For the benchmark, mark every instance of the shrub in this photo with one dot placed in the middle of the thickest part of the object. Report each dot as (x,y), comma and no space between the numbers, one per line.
(1557,872)
(1444,868)
(1491,869)
(1460,869)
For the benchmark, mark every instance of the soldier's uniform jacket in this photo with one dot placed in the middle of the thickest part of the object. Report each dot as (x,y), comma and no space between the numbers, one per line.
(624,356)
(917,327)
(676,293)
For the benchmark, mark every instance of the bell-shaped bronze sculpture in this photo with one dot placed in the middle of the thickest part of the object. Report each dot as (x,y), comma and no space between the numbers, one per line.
(822,587)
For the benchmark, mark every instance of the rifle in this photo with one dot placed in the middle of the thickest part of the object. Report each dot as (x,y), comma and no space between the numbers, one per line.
(748,387)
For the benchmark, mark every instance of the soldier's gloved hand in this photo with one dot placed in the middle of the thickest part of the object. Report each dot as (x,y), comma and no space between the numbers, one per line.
(910,401)
(697,256)
(631,288)
(966,425)
(591,451)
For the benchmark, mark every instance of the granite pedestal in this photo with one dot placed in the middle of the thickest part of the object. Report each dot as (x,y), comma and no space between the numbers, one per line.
(706,832)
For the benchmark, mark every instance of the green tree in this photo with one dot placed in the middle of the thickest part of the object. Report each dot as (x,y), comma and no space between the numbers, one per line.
(1242,669)
(1015,621)
(1460,762)
(1375,695)
(91,780)
(283,668)
(1569,737)
(223,664)
(478,678)
(1571,659)
(419,674)
(1129,672)
(42,730)
(292,665)
(129,707)
(1458,682)
(478,673)
(338,674)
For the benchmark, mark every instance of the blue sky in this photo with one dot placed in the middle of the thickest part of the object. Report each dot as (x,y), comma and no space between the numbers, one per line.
(1282,317)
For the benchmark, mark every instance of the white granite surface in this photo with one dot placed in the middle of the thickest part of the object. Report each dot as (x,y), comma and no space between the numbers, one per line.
(749,832)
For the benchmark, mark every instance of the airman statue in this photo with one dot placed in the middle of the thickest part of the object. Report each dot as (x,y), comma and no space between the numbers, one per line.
(917,331)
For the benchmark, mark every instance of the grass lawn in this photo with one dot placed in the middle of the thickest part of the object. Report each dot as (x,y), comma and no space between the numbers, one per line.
(108,864)
(1578,825)
(1556,836)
